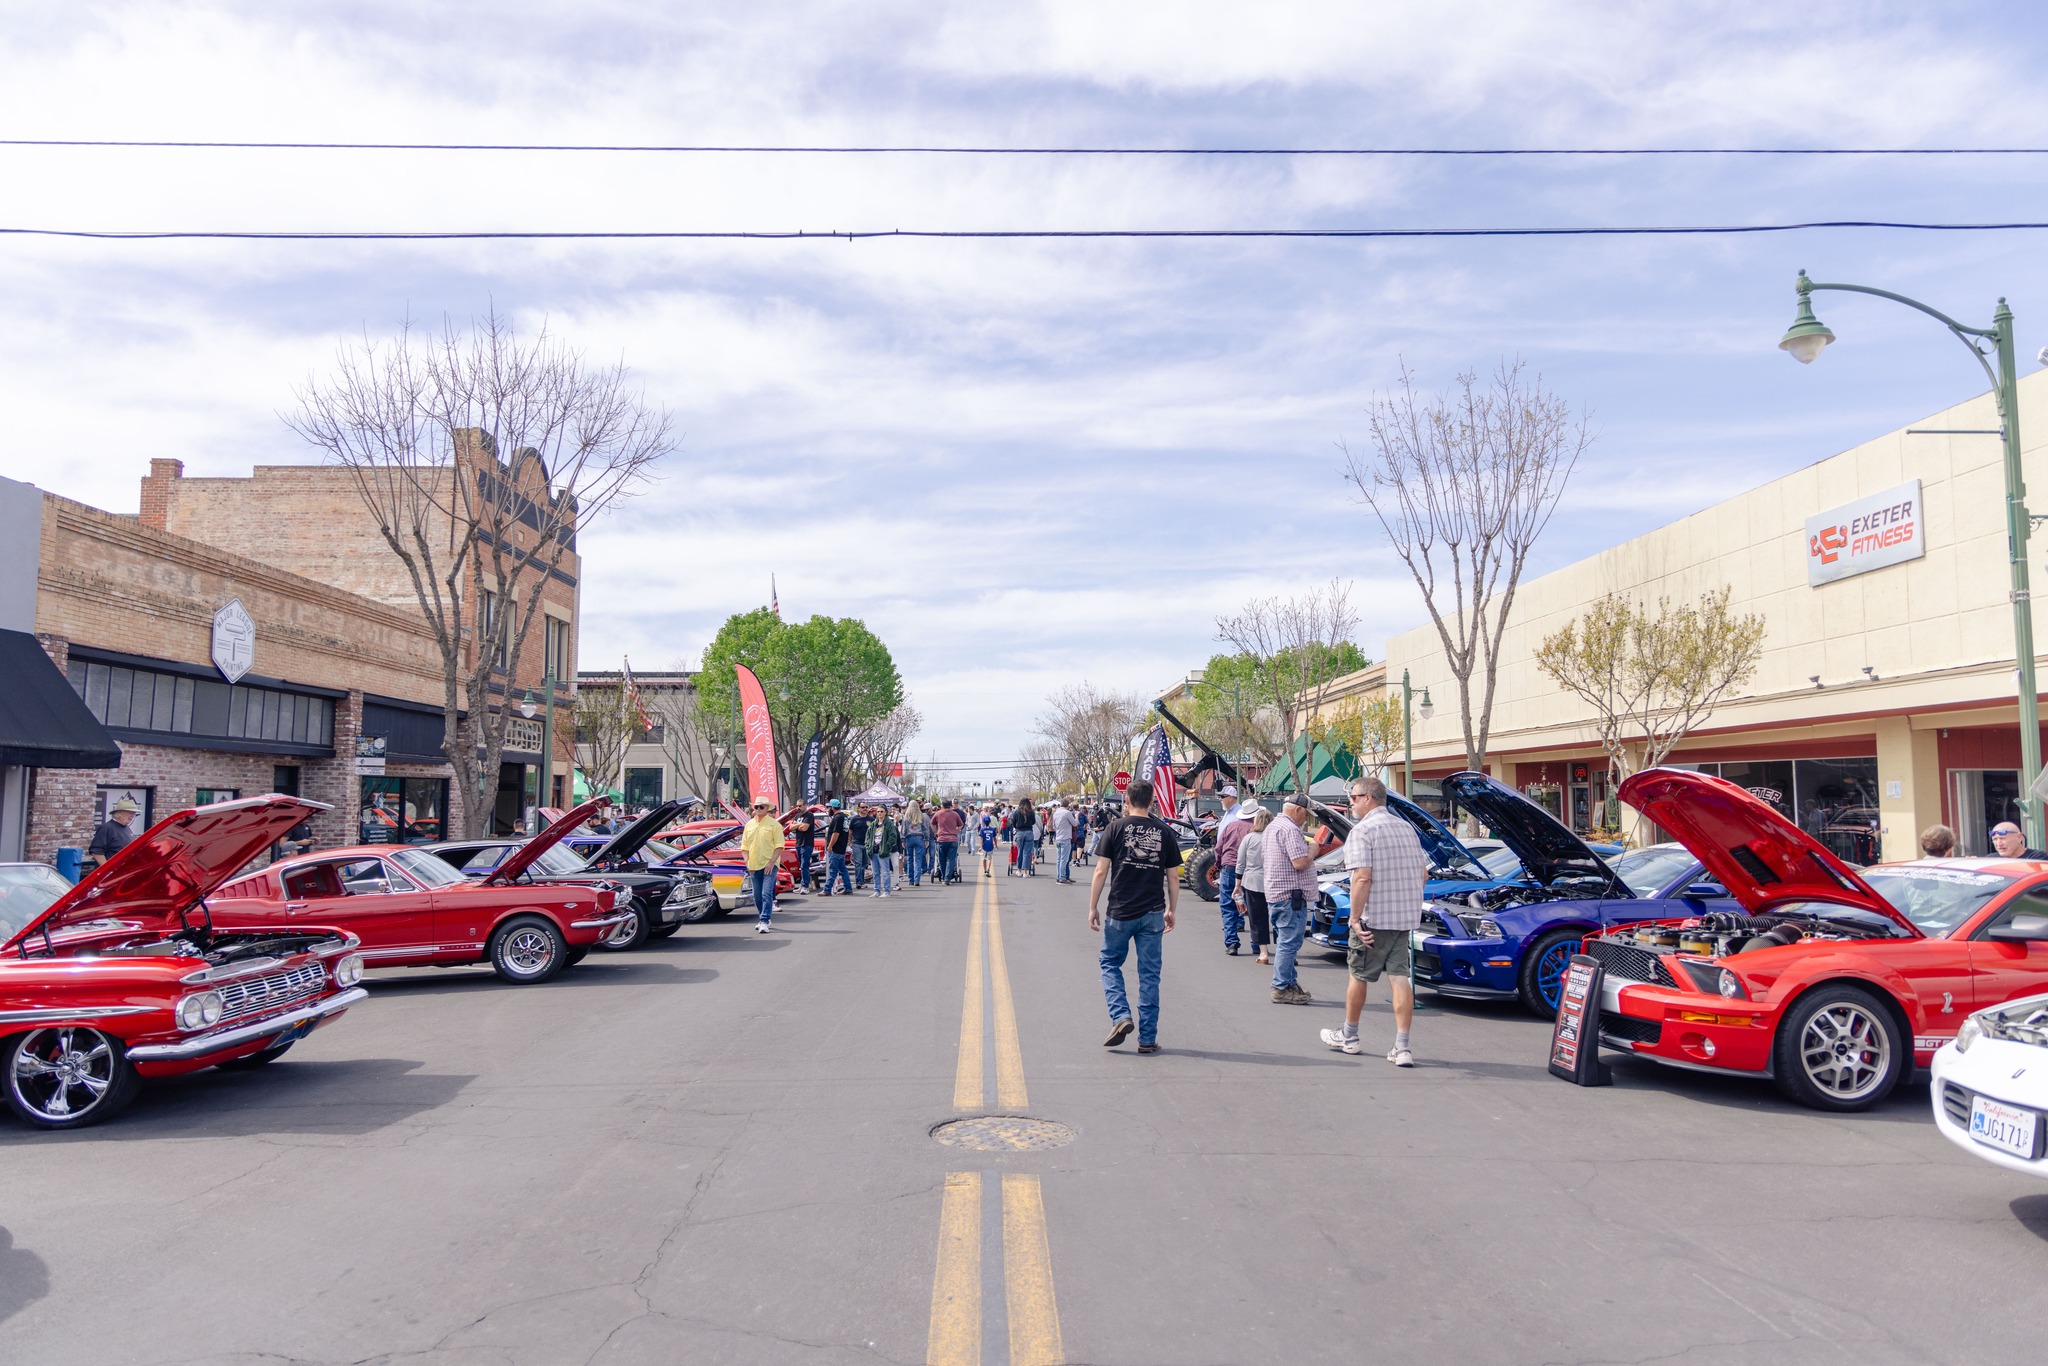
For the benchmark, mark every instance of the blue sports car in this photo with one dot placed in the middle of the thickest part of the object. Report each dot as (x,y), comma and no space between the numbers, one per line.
(1513,938)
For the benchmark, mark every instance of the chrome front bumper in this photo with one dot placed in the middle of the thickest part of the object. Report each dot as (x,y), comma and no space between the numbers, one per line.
(606,922)
(199,1045)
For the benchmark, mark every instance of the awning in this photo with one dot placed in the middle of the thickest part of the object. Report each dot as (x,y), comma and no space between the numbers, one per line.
(43,723)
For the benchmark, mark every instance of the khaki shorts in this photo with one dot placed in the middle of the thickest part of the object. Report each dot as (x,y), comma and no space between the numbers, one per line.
(1388,952)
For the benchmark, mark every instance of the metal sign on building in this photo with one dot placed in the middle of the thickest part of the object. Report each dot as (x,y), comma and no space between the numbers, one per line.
(234,640)
(1884,529)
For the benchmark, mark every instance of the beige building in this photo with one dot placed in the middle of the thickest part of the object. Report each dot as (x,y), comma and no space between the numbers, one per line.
(1885,698)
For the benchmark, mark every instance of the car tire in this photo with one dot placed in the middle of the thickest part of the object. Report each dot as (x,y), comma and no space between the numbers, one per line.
(577,955)
(1202,875)
(1542,975)
(664,931)
(256,1060)
(630,935)
(1839,1048)
(101,1079)
(528,949)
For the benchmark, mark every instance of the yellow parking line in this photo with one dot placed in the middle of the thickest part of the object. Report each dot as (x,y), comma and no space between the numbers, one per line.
(1027,1273)
(1010,1092)
(967,1078)
(956,1287)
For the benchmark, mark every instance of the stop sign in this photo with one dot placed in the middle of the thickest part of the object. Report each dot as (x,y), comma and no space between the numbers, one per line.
(1123,781)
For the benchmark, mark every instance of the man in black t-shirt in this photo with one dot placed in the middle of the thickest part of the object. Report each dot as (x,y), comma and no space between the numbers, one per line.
(1139,856)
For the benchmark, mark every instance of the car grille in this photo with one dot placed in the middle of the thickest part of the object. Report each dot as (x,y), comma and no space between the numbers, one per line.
(254,995)
(1627,961)
(1956,1102)
(1428,966)
(1432,923)
(1629,1029)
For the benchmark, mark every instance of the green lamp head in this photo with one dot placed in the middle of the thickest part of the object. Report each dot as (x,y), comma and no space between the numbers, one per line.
(1808,336)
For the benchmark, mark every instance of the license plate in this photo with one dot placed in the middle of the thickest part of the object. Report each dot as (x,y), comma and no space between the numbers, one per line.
(2004,1127)
(294,1034)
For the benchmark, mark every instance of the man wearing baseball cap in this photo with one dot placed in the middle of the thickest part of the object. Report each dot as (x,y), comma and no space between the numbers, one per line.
(762,840)
(1230,832)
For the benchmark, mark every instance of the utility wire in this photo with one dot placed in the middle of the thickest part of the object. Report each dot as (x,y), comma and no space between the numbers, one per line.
(1035,233)
(1037,151)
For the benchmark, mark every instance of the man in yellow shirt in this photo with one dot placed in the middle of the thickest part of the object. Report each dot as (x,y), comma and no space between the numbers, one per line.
(761,838)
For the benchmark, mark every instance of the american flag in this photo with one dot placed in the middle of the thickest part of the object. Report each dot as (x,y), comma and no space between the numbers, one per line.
(1156,766)
(633,695)
(774,598)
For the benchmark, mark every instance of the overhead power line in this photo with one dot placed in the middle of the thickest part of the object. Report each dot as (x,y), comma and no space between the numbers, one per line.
(1032,233)
(912,149)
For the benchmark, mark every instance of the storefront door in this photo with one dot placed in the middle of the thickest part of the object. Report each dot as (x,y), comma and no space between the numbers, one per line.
(1980,799)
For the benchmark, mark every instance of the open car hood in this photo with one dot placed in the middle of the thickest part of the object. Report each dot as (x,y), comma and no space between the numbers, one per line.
(174,865)
(628,842)
(709,842)
(1548,848)
(1763,859)
(1442,847)
(523,857)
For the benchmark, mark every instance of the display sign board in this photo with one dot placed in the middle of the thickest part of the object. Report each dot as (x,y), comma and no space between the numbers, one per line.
(369,755)
(234,640)
(1884,529)
(1575,1038)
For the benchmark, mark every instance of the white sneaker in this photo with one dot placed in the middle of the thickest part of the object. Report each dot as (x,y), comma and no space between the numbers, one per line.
(1400,1057)
(1337,1039)
(760,928)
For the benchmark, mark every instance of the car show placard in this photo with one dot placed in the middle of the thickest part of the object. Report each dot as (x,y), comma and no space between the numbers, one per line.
(1575,1038)
(1884,529)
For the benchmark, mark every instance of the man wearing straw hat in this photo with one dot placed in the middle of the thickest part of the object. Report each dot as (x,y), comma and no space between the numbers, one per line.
(762,841)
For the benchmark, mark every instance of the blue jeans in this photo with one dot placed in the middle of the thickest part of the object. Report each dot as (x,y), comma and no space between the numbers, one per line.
(761,882)
(1149,932)
(860,865)
(879,864)
(915,860)
(803,865)
(835,871)
(1066,848)
(1290,923)
(949,860)
(1226,898)
(1027,848)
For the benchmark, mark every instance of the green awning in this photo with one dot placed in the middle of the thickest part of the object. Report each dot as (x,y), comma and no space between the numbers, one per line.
(1321,766)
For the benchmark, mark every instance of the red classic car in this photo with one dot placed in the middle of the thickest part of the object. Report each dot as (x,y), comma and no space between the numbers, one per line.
(125,976)
(728,854)
(410,908)
(1835,982)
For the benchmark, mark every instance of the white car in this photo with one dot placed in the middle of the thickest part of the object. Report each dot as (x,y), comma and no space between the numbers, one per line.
(1991,1086)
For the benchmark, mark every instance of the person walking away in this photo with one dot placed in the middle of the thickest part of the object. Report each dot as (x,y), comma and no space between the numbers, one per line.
(803,829)
(761,838)
(2006,840)
(1251,882)
(114,833)
(1938,841)
(988,844)
(1231,828)
(1289,866)
(1388,867)
(1139,860)
(917,842)
(837,837)
(946,839)
(857,837)
(885,838)
(1025,824)
(1063,824)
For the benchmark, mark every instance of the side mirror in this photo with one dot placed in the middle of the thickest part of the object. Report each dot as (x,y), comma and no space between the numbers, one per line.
(2023,929)
(1706,889)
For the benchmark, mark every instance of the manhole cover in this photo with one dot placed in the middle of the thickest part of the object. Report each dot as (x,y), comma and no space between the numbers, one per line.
(1003,1134)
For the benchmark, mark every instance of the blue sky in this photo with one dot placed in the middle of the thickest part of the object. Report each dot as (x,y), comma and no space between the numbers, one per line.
(1022,463)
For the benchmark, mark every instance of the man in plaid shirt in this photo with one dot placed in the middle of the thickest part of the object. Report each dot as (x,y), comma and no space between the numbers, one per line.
(1388,869)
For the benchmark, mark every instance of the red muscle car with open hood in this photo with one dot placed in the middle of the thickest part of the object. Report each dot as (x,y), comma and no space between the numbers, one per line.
(126,976)
(1835,982)
(411,909)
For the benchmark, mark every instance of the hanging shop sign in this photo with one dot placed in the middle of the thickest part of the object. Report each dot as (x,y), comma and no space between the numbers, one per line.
(1884,529)
(234,640)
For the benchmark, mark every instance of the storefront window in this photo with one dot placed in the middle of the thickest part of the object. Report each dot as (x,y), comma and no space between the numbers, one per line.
(1768,780)
(207,796)
(403,810)
(1982,797)
(1838,805)
(643,788)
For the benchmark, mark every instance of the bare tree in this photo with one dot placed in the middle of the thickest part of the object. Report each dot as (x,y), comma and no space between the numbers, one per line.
(871,748)
(1042,769)
(1092,731)
(480,455)
(1652,675)
(1463,484)
(688,746)
(1298,647)
(607,725)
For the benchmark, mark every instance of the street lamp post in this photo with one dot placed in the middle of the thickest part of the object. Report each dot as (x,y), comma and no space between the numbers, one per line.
(1808,337)
(547,736)
(1428,709)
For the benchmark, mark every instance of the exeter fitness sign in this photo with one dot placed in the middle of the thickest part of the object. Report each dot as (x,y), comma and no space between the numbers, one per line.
(1871,533)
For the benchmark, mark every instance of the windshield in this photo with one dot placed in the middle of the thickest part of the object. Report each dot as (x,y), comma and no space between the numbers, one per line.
(26,891)
(1501,863)
(1649,871)
(658,851)
(559,862)
(1936,900)
(426,869)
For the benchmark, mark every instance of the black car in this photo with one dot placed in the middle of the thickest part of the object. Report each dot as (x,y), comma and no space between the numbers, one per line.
(665,898)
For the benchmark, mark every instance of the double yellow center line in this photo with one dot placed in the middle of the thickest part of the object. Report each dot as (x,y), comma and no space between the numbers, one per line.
(1032,1312)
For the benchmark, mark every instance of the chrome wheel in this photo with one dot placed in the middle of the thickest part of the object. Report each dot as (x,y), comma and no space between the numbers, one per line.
(1846,1050)
(529,950)
(625,936)
(61,1078)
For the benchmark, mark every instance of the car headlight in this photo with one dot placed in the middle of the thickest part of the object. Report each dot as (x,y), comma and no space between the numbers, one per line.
(348,970)
(200,1010)
(1968,1034)
(1731,986)
(1489,928)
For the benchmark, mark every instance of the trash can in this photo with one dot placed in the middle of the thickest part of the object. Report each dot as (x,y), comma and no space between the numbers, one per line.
(70,861)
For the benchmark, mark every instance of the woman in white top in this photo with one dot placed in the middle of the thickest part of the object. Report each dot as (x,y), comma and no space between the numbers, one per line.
(1251,882)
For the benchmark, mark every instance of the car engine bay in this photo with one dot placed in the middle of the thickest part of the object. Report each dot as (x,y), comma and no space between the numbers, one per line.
(1720,934)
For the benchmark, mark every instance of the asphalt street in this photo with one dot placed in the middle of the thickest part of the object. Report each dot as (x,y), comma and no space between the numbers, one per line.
(718,1149)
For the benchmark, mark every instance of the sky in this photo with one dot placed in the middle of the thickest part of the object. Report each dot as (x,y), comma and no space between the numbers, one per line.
(1022,463)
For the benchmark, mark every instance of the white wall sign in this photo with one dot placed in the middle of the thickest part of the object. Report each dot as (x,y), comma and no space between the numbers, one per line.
(234,640)
(1871,533)
(370,755)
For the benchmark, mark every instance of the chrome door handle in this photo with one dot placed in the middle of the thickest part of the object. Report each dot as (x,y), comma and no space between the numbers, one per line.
(295,908)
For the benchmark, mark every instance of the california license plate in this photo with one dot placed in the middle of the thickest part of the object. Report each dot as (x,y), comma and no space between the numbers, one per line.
(2004,1127)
